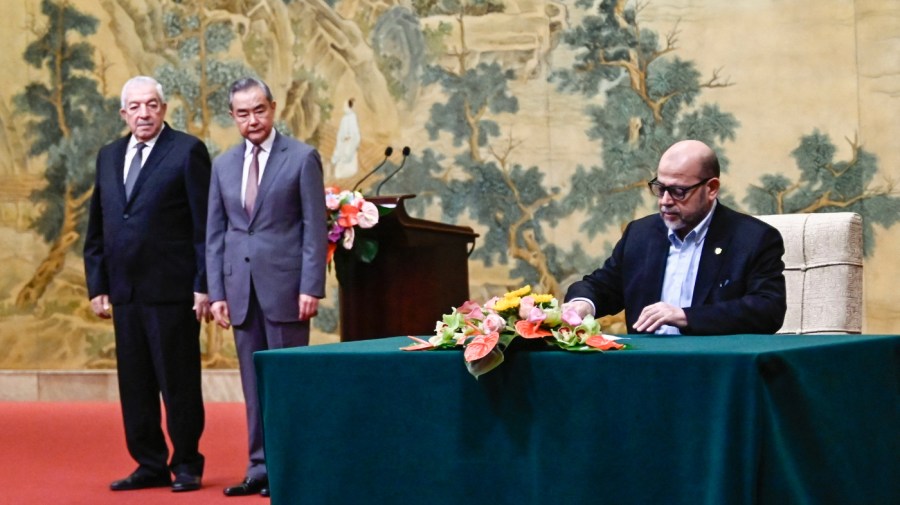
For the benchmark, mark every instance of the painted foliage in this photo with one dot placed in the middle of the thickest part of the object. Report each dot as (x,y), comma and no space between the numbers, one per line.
(536,122)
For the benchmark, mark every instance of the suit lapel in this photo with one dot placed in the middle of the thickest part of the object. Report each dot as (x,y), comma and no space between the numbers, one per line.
(160,150)
(231,176)
(277,159)
(715,251)
(118,161)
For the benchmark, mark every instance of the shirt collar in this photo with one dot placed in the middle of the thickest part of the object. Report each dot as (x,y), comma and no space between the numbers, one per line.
(266,144)
(699,231)
(149,143)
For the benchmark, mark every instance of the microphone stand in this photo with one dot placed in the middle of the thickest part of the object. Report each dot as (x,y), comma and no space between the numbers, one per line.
(387,154)
(405,156)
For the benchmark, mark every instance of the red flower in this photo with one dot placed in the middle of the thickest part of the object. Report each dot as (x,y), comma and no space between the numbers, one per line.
(331,247)
(603,343)
(531,330)
(348,218)
(481,346)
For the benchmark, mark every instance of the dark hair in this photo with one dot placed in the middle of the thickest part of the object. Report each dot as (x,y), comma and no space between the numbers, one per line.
(245,83)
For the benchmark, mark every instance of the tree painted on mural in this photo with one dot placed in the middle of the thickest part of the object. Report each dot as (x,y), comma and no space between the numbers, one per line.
(650,103)
(195,42)
(483,181)
(828,185)
(69,120)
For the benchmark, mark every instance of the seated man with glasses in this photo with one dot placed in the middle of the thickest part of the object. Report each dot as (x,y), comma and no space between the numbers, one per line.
(696,268)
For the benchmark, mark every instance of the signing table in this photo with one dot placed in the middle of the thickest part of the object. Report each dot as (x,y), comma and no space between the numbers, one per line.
(743,419)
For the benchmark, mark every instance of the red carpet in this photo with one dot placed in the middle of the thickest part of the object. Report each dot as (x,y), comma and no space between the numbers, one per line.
(68,453)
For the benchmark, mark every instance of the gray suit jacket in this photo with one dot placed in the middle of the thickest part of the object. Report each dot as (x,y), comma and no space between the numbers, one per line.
(282,247)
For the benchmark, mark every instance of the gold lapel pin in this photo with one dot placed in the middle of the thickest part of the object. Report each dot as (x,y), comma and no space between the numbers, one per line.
(718,250)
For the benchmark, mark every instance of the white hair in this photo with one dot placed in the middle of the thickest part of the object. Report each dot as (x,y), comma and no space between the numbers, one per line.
(143,79)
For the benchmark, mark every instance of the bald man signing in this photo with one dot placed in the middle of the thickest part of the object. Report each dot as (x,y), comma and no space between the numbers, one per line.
(695,268)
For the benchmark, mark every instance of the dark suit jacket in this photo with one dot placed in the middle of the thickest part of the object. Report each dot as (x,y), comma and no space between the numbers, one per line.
(282,247)
(740,279)
(151,248)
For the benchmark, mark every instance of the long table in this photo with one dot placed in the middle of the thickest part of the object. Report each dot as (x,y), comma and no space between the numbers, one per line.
(742,419)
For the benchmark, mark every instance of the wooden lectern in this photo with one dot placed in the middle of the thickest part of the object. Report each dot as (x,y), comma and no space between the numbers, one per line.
(421,271)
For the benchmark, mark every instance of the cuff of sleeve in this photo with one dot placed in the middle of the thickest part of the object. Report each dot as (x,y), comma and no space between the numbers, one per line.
(589,302)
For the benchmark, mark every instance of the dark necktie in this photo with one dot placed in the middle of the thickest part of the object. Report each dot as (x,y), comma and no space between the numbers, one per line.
(133,170)
(252,180)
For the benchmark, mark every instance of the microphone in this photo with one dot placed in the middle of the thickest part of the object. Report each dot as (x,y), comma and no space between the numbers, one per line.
(387,154)
(405,155)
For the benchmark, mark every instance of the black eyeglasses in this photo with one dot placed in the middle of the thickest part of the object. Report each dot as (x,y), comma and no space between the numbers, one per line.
(677,193)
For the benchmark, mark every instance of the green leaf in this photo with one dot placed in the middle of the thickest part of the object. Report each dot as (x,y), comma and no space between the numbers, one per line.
(366,250)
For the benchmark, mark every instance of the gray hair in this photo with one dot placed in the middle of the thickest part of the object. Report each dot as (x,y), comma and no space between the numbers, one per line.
(245,83)
(143,79)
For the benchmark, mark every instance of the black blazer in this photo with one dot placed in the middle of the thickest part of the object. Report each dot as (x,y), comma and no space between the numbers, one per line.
(740,279)
(151,248)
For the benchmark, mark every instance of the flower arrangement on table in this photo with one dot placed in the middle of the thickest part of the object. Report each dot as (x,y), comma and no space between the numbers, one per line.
(347,212)
(485,331)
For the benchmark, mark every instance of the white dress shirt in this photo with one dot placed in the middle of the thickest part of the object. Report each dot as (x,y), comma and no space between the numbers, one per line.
(131,152)
(262,157)
(681,268)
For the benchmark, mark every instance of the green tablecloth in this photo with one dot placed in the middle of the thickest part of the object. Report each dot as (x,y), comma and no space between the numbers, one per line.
(729,420)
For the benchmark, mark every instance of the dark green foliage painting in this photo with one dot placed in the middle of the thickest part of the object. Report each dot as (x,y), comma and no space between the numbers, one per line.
(537,123)
(829,185)
(69,119)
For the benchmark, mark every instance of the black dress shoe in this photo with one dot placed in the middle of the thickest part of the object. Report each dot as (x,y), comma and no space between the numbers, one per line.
(247,487)
(264,492)
(186,482)
(141,480)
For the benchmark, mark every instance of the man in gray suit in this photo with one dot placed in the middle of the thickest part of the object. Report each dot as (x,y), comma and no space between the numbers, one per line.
(266,244)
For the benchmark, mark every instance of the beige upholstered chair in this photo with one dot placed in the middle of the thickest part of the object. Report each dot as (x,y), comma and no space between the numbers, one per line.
(823,262)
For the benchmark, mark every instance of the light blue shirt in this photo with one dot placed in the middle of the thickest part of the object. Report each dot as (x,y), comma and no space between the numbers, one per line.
(681,268)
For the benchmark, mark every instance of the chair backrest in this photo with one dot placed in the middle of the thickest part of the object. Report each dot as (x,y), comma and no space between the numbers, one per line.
(823,262)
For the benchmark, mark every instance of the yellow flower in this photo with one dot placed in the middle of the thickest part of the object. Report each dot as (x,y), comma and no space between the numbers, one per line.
(507,303)
(542,298)
(518,293)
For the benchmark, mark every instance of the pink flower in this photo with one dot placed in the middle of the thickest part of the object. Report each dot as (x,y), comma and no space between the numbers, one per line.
(470,310)
(490,303)
(570,316)
(368,215)
(481,346)
(349,235)
(525,306)
(421,345)
(493,323)
(536,315)
(332,199)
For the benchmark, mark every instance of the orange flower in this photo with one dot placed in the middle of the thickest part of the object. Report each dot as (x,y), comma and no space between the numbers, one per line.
(331,247)
(531,330)
(348,218)
(603,343)
(481,346)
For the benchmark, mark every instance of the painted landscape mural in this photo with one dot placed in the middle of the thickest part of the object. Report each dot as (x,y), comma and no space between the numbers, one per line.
(536,122)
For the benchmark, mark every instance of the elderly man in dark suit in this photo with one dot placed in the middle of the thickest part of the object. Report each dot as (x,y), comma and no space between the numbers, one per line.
(266,246)
(697,267)
(144,255)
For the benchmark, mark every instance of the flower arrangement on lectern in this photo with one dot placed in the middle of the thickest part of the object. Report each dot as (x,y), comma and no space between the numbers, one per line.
(347,212)
(485,331)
